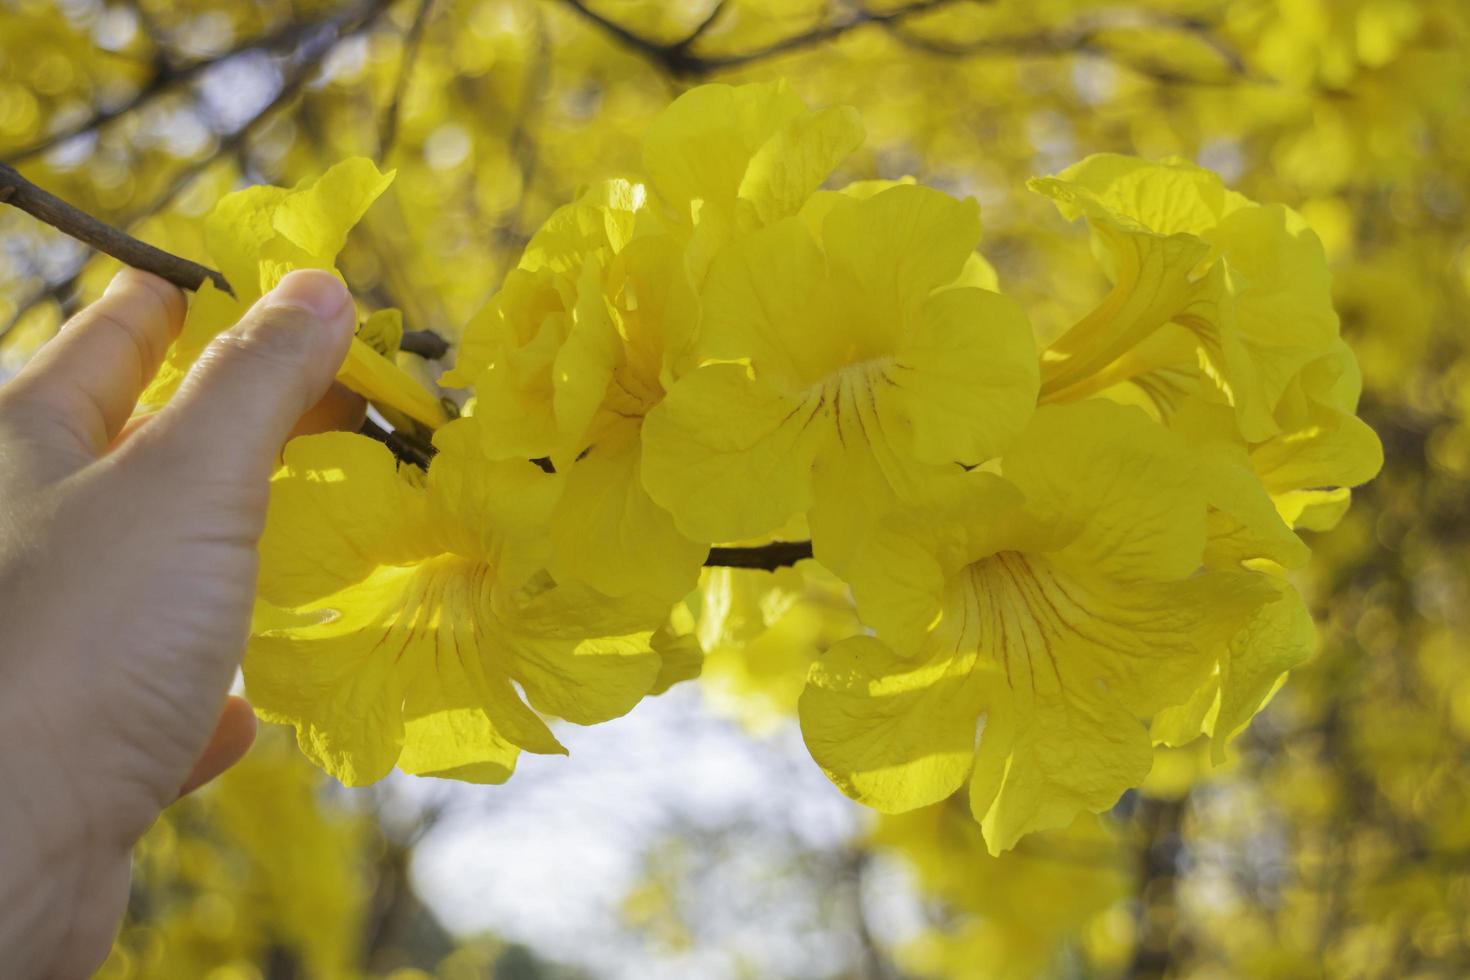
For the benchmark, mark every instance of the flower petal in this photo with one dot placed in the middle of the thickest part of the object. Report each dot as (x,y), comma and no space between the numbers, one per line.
(792,164)
(729,457)
(965,384)
(902,243)
(757,293)
(318,217)
(457,744)
(698,148)
(343,494)
(405,643)
(891,733)
(609,533)
(1123,493)
(494,510)
(1082,660)
(383,382)
(587,681)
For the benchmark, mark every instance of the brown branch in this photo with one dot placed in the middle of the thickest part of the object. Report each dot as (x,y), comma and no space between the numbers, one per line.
(42,205)
(168,78)
(404,448)
(676,58)
(425,343)
(766,557)
(873,962)
(769,557)
(20,193)
(820,35)
(1083,38)
(308,56)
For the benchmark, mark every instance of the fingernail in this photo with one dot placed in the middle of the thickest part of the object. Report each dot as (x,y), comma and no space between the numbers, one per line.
(313,289)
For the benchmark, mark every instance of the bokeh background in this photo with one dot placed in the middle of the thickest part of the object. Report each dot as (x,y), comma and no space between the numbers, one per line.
(695,838)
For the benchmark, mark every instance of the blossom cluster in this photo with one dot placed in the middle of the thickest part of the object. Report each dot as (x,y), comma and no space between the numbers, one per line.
(1059,554)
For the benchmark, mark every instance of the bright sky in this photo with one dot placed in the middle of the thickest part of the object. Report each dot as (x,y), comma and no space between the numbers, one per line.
(548,858)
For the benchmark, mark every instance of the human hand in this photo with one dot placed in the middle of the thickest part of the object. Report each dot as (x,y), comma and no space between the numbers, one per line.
(127,576)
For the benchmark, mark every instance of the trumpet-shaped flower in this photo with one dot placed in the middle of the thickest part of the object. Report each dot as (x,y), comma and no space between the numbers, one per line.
(842,373)
(1247,283)
(726,160)
(1023,600)
(259,234)
(1073,601)
(1322,448)
(1220,299)
(1279,636)
(398,634)
(568,359)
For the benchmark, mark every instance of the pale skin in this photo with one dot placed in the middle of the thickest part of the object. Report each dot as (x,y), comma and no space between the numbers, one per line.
(127,574)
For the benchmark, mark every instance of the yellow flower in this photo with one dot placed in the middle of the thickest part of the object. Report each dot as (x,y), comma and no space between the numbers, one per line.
(1279,636)
(1245,286)
(726,160)
(1222,300)
(842,373)
(567,360)
(259,234)
(1064,617)
(396,634)
(1322,448)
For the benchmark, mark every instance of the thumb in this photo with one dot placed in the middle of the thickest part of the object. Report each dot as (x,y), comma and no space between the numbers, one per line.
(253,382)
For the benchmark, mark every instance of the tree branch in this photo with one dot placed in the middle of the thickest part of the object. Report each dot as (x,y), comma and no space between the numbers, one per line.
(677,59)
(425,343)
(1084,38)
(404,449)
(777,554)
(307,57)
(42,205)
(21,193)
(168,77)
(765,557)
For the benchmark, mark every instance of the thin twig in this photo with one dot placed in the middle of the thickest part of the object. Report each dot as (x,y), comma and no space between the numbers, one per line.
(168,78)
(310,55)
(1084,37)
(404,449)
(42,205)
(425,343)
(677,59)
(777,554)
(21,193)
